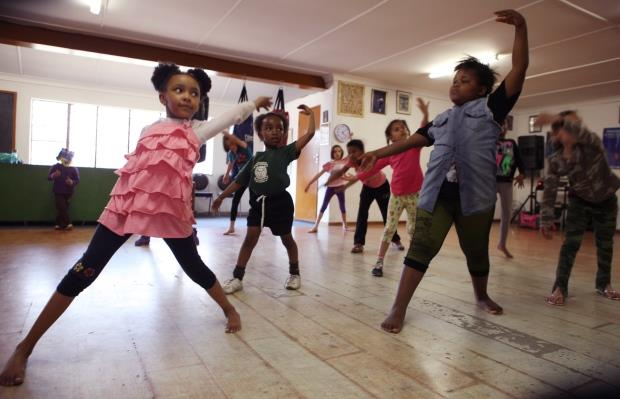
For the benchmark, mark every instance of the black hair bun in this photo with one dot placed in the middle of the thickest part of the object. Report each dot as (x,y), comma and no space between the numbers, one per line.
(162,73)
(204,81)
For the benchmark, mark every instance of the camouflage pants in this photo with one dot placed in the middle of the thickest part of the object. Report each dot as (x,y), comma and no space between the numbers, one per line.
(603,218)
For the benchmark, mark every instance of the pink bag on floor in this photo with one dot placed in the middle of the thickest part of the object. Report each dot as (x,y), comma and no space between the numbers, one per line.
(529,220)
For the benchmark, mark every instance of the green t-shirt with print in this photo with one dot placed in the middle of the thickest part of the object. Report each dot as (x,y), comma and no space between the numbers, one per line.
(266,173)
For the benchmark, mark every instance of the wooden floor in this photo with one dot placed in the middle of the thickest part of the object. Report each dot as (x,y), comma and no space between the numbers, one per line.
(145,330)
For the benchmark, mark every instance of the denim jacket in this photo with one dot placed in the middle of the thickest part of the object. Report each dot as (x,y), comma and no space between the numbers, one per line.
(465,135)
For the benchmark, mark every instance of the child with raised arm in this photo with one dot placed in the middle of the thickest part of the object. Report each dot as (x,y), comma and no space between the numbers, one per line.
(151,197)
(270,204)
(332,167)
(459,186)
(406,182)
(238,154)
(375,187)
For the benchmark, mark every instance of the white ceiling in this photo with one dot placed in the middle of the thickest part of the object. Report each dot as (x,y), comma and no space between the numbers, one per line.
(575,45)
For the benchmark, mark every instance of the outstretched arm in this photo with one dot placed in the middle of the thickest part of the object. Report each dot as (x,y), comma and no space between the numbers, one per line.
(315,178)
(520,57)
(234,186)
(414,141)
(234,139)
(305,139)
(226,178)
(349,184)
(336,175)
(237,114)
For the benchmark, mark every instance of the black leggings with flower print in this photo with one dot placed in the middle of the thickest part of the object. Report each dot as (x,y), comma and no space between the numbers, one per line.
(104,245)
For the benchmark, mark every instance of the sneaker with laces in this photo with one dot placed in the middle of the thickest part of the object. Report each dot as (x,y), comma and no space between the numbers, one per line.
(357,249)
(293,282)
(233,285)
(377,270)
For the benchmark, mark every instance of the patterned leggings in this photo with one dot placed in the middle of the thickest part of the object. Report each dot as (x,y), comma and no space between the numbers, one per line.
(603,218)
(398,203)
(104,245)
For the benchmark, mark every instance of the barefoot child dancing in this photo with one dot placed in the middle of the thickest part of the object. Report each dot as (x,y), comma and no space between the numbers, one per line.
(151,197)
(459,186)
(270,204)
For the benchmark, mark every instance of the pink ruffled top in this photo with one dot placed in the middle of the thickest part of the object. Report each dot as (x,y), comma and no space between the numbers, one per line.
(153,193)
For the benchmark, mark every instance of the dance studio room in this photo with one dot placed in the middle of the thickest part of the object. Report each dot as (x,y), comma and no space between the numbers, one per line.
(309,199)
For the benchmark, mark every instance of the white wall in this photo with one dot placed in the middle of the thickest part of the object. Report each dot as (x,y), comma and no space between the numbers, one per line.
(32,88)
(597,115)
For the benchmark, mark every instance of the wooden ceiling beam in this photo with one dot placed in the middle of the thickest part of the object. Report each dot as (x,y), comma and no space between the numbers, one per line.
(26,36)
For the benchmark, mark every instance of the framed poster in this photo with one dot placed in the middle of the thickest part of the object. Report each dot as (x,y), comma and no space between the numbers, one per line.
(403,102)
(377,101)
(350,99)
(611,143)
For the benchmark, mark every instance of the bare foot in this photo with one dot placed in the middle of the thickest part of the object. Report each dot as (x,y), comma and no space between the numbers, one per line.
(234,321)
(394,322)
(489,306)
(609,293)
(313,230)
(556,298)
(230,231)
(505,251)
(14,370)
(345,228)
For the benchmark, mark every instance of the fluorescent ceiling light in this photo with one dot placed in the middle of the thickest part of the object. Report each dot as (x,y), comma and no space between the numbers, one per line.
(105,57)
(447,69)
(95,6)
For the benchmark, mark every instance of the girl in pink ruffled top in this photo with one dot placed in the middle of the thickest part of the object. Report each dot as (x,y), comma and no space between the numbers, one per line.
(151,197)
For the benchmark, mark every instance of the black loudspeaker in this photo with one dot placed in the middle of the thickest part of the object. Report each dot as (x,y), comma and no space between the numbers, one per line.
(532,150)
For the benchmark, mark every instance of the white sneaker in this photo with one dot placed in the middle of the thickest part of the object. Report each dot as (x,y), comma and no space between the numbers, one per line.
(293,282)
(233,285)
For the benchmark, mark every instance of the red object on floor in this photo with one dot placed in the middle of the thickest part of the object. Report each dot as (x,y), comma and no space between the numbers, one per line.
(529,220)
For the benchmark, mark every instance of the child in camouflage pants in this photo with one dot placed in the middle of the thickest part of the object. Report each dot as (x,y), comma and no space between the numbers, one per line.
(580,156)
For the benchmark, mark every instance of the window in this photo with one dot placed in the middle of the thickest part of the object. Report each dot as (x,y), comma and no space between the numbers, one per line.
(99,135)
(48,126)
(83,134)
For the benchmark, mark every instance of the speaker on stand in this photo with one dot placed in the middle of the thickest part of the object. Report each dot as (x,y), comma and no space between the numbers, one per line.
(532,152)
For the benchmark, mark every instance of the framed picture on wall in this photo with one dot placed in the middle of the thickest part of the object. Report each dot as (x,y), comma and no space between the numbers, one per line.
(403,102)
(532,127)
(377,101)
(350,99)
